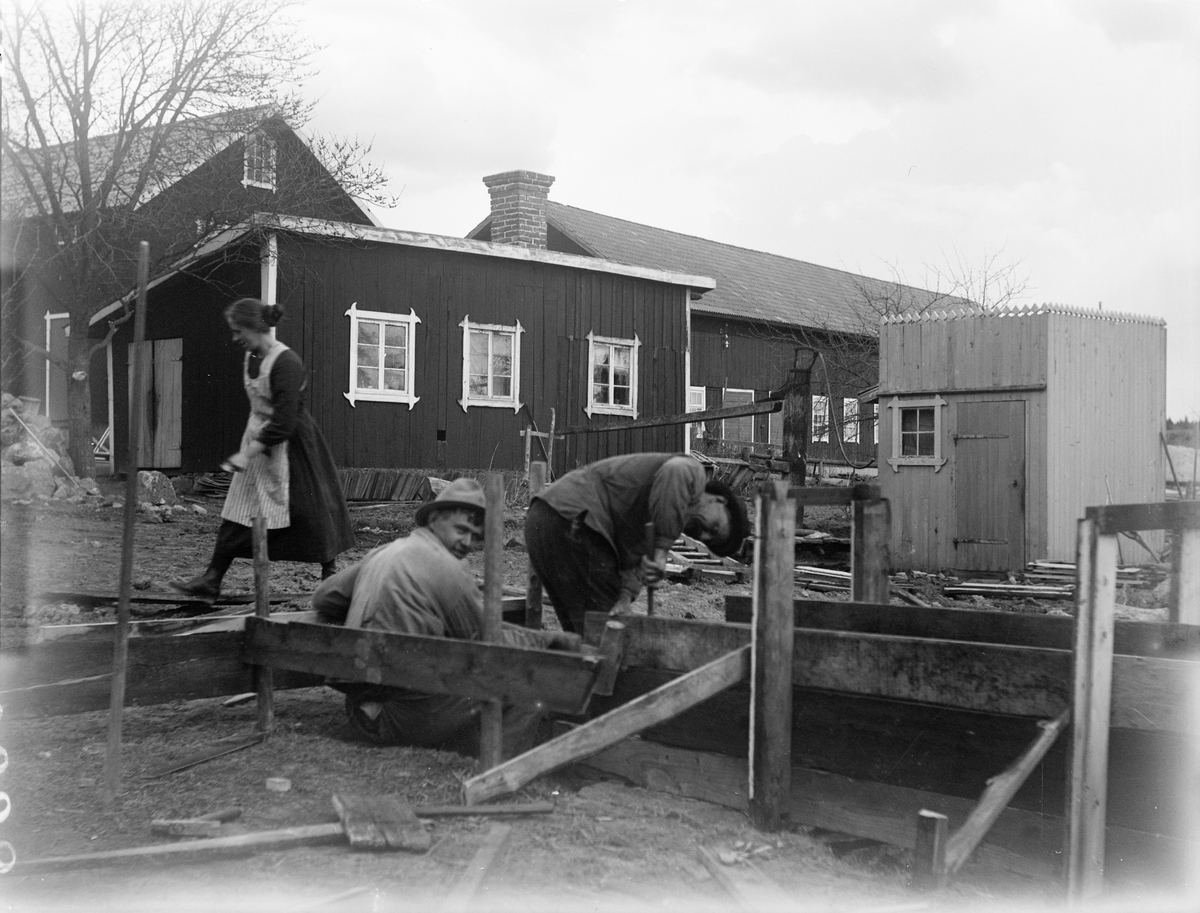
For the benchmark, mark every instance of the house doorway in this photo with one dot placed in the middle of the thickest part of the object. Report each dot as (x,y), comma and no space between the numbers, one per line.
(161,397)
(989,486)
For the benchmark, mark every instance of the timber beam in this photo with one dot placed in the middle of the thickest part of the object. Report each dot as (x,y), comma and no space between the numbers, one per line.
(558,681)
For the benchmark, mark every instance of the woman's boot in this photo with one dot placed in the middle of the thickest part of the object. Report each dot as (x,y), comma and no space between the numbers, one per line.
(206,587)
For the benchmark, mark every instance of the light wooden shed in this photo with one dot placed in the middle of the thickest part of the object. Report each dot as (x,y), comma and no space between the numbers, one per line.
(998,428)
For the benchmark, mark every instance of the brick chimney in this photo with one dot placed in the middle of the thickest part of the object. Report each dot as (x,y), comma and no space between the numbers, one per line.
(519,207)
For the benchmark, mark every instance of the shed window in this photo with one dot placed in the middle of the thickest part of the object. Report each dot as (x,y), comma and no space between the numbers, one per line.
(697,402)
(381,356)
(820,419)
(491,365)
(612,373)
(917,432)
(258,161)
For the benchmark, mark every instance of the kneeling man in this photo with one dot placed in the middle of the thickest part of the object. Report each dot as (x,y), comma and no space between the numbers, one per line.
(420,585)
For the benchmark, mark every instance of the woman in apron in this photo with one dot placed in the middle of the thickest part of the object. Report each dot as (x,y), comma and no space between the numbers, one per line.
(283,472)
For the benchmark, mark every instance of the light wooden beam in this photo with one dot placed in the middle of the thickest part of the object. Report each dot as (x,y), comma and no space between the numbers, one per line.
(641,713)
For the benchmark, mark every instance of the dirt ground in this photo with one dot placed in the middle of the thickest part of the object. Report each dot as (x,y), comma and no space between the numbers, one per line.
(606,845)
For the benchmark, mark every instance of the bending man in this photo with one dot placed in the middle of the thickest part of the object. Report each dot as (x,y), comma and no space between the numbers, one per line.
(420,585)
(586,533)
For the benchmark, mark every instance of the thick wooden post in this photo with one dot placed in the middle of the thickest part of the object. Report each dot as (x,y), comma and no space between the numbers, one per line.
(116,706)
(797,418)
(264,678)
(771,670)
(1095,596)
(929,853)
(533,586)
(1183,606)
(491,743)
(870,560)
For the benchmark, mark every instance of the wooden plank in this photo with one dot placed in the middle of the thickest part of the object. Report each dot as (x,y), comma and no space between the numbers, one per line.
(461,896)
(1184,602)
(1126,518)
(263,679)
(491,742)
(870,533)
(771,680)
(557,680)
(929,853)
(75,676)
(1025,681)
(288,836)
(611,652)
(533,586)
(381,823)
(216,750)
(1096,559)
(750,889)
(1139,638)
(658,705)
(999,793)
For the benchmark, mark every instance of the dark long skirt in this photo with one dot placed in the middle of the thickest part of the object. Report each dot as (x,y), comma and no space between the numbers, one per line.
(319,526)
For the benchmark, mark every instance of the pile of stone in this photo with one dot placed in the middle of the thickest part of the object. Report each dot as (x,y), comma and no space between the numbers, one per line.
(33,455)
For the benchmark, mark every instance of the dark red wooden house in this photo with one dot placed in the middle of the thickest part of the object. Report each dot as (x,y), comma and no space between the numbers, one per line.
(423,351)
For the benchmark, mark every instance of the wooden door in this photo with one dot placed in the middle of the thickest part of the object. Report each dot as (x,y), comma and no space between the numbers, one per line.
(989,486)
(161,399)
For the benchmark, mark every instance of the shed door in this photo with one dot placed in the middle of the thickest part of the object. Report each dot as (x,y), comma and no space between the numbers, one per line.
(989,486)
(161,398)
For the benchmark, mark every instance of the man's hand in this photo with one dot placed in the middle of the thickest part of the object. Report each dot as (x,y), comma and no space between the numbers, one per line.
(564,641)
(235,463)
(622,606)
(654,567)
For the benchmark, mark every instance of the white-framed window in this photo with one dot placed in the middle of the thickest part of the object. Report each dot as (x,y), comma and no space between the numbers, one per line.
(491,365)
(820,419)
(742,427)
(917,432)
(850,429)
(612,374)
(697,401)
(382,356)
(258,161)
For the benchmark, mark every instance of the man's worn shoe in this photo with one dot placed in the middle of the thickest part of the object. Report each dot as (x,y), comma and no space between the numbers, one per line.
(201,588)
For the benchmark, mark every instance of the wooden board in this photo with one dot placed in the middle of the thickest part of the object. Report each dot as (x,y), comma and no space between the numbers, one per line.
(556,680)
(380,823)
(75,676)
(1148,693)
(1137,638)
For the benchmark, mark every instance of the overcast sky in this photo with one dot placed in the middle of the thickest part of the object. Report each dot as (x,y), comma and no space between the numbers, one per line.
(886,138)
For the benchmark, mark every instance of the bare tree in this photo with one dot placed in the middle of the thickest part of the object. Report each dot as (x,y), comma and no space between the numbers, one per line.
(119,119)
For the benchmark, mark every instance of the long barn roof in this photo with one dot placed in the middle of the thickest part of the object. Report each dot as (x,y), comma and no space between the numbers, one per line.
(751,284)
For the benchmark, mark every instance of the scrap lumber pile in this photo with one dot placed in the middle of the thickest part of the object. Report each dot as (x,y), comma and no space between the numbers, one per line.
(690,559)
(1049,580)
(385,485)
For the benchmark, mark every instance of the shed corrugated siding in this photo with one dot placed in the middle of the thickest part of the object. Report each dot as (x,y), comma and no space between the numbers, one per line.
(557,308)
(965,352)
(1107,383)
(923,501)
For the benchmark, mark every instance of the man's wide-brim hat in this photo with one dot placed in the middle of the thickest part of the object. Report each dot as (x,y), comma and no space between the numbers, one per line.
(461,494)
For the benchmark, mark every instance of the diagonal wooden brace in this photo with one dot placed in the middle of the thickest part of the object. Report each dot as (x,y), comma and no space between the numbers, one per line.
(650,709)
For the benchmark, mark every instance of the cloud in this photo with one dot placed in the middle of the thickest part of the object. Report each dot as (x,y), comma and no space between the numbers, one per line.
(1143,21)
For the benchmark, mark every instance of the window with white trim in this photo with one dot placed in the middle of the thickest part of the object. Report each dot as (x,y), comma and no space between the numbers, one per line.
(697,401)
(850,429)
(742,427)
(613,372)
(917,432)
(258,161)
(491,365)
(381,356)
(820,419)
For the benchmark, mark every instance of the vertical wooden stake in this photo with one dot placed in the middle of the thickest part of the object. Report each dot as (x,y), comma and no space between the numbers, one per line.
(870,532)
(649,533)
(1183,606)
(1095,596)
(550,444)
(797,415)
(929,853)
(264,677)
(771,669)
(116,704)
(491,747)
(533,586)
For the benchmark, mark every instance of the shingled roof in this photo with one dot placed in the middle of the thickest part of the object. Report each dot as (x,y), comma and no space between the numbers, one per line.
(751,284)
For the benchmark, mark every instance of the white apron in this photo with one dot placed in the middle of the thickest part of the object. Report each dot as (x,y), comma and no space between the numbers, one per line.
(262,487)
